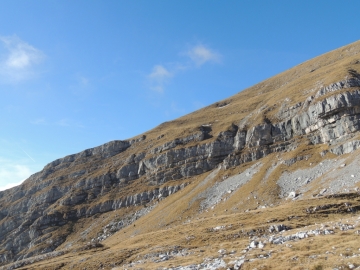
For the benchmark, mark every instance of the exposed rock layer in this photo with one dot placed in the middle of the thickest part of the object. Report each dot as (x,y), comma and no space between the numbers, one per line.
(71,188)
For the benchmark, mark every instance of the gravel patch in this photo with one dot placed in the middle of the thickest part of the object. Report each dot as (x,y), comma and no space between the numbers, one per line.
(298,180)
(336,176)
(343,177)
(119,223)
(214,194)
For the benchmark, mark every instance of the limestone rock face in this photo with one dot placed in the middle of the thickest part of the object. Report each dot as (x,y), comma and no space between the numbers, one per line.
(104,151)
(187,161)
(95,180)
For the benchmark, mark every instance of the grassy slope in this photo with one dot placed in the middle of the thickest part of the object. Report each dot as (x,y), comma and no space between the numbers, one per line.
(164,227)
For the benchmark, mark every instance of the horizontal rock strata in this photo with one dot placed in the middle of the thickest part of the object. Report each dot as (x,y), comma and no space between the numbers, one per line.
(27,217)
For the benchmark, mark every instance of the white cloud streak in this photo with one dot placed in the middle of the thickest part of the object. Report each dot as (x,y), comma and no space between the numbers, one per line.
(83,81)
(12,175)
(158,77)
(65,122)
(200,55)
(38,121)
(160,73)
(10,185)
(27,154)
(18,59)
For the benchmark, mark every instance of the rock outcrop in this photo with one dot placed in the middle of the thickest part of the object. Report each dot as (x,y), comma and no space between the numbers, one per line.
(102,179)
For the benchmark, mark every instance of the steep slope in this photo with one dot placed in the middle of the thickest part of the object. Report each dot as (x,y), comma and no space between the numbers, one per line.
(292,136)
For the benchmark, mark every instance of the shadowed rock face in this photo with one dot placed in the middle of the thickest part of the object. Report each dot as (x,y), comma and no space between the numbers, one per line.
(73,187)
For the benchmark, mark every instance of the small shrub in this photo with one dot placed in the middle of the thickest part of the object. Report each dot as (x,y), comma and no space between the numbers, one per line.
(93,244)
(318,267)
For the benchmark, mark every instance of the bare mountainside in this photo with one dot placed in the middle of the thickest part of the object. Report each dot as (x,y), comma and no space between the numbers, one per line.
(265,179)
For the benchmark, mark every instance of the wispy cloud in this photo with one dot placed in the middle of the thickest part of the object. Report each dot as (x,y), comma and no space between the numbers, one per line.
(83,81)
(9,185)
(160,73)
(158,77)
(12,175)
(201,54)
(39,121)
(82,86)
(18,59)
(27,154)
(196,56)
(65,122)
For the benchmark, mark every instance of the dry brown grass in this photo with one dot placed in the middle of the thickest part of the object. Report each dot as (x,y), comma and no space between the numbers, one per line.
(176,221)
(148,236)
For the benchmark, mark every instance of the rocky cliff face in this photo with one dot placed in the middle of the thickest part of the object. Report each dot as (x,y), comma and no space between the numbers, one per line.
(104,178)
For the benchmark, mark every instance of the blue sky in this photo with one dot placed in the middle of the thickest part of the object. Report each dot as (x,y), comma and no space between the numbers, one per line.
(77,74)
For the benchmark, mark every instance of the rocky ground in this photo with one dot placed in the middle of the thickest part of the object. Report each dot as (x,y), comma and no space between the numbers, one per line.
(336,175)
(267,177)
(220,191)
(260,249)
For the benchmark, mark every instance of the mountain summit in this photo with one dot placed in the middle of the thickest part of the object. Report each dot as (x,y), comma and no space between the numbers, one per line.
(267,177)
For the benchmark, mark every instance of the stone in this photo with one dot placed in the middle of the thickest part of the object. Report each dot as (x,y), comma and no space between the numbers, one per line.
(261,245)
(292,195)
(238,264)
(163,257)
(253,244)
(302,235)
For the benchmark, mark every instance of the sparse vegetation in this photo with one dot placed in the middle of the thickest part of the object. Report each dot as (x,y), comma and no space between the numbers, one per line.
(318,267)
(93,244)
(316,227)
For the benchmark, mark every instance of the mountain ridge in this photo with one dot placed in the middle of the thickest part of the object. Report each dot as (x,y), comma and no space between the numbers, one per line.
(305,115)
